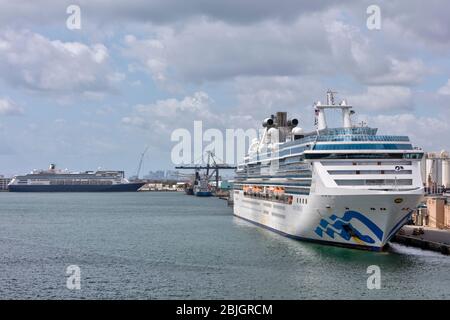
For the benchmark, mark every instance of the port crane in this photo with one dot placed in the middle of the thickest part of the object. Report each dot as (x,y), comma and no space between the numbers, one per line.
(138,171)
(212,167)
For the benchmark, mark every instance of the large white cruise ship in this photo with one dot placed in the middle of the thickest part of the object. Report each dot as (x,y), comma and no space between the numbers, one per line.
(344,186)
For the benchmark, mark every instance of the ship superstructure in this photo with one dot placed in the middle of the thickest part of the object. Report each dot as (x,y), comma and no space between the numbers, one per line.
(344,186)
(55,180)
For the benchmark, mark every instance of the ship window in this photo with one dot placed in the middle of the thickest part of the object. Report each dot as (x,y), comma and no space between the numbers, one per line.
(364,146)
(337,163)
(343,172)
(350,182)
(397,172)
(375,182)
(413,155)
(360,156)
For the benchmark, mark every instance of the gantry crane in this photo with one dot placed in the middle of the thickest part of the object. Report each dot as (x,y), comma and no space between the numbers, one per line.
(212,168)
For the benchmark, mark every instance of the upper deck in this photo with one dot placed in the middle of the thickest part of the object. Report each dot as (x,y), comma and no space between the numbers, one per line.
(347,157)
(359,140)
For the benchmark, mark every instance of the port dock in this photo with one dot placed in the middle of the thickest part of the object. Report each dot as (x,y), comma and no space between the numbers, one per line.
(431,225)
(426,238)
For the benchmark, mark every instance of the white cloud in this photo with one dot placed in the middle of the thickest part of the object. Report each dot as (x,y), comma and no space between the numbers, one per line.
(320,44)
(445,89)
(150,54)
(406,72)
(8,107)
(426,132)
(259,97)
(262,96)
(159,117)
(157,11)
(382,98)
(408,20)
(355,52)
(206,50)
(32,61)
(412,22)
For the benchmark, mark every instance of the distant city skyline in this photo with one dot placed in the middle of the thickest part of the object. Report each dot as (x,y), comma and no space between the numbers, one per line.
(132,73)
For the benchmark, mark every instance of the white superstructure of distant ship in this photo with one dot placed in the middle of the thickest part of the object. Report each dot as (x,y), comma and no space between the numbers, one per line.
(202,188)
(344,186)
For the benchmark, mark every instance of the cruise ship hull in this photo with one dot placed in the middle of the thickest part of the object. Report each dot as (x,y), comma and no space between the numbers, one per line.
(124,187)
(362,221)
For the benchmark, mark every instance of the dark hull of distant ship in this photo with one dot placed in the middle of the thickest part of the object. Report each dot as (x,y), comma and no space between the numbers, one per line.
(123,187)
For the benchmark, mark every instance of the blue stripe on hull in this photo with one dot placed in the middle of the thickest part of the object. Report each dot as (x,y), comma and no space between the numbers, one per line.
(336,244)
(203,194)
(126,187)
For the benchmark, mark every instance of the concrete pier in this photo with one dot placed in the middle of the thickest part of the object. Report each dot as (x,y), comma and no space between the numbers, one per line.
(427,238)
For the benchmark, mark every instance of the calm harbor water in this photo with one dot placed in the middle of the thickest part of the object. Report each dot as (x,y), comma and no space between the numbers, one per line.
(173,246)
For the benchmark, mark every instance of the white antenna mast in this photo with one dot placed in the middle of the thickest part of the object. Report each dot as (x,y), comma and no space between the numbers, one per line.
(330,97)
(320,111)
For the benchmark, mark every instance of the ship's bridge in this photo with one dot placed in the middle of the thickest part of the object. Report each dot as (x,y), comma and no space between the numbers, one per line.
(351,138)
(354,139)
(358,158)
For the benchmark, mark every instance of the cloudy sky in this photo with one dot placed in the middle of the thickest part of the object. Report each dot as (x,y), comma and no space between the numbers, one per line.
(137,70)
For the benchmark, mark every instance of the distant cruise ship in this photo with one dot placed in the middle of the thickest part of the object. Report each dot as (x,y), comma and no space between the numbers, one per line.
(344,186)
(54,180)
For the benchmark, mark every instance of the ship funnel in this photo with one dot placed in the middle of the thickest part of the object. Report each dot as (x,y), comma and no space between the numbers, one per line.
(282,119)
